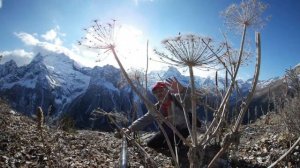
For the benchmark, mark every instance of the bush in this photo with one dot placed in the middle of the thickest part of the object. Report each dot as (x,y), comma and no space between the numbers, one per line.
(291,113)
(66,123)
(291,109)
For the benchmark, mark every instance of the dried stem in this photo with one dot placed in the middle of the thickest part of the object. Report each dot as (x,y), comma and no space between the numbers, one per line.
(285,154)
(246,103)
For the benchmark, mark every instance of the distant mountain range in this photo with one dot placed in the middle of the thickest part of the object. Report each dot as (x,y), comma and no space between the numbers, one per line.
(56,81)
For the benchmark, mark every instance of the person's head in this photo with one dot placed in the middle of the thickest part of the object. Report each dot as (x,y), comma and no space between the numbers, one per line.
(160,90)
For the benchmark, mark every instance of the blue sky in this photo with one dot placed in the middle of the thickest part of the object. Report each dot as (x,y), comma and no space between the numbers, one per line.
(31,26)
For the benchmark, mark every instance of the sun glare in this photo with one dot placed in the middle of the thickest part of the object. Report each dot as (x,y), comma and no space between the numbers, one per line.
(128,38)
(131,45)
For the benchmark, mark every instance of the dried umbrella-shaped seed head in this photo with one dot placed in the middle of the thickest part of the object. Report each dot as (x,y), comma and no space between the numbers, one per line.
(99,36)
(188,50)
(231,57)
(247,13)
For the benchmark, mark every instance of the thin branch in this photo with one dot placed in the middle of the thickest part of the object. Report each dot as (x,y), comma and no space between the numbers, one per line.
(285,154)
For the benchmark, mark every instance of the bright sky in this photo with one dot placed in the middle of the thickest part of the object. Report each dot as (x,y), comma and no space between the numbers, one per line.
(31,26)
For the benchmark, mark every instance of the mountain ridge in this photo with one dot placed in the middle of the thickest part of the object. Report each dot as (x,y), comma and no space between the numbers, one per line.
(56,81)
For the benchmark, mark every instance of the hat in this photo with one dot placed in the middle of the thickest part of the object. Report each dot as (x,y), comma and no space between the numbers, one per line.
(159,85)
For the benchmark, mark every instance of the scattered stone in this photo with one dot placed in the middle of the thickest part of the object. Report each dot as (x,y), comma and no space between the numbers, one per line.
(266,144)
(21,146)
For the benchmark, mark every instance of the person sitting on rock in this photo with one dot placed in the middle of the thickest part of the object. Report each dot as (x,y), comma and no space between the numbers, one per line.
(167,93)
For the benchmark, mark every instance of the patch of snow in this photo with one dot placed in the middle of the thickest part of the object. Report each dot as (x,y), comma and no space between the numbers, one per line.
(266,83)
(12,112)
(110,86)
(28,83)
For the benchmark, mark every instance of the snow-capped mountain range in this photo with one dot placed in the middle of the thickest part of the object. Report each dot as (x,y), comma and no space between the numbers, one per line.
(56,81)
(48,80)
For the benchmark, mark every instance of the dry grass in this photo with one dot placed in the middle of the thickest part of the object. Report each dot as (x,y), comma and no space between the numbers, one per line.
(21,146)
(291,115)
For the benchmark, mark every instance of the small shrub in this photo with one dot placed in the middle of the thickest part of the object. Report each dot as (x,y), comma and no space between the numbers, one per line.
(66,123)
(291,112)
(291,109)
(40,118)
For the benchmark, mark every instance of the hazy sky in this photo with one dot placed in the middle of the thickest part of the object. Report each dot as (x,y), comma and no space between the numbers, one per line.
(31,26)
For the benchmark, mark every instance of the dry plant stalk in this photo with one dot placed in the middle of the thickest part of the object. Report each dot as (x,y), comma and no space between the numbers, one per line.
(40,122)
(40,126)
(233,136)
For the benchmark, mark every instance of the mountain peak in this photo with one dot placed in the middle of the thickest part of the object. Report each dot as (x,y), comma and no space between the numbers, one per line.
(38,58)
(52,58)
(172,71)
(8,67)
(10,63)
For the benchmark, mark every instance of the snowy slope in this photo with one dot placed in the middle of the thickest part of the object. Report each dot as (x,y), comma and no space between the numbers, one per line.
(49,80)
(62,75)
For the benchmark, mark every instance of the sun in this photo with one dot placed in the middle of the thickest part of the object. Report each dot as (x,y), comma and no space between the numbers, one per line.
(128,38)
(131,45)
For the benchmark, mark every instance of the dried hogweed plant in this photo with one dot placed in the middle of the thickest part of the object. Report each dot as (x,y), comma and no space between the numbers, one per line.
(230,59)
(188,50)
(191,51)
(101,37)
(239,17)
(244,15)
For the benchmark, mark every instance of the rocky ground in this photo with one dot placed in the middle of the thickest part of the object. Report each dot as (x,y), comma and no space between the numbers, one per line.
(22,144)
(265,140)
